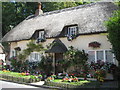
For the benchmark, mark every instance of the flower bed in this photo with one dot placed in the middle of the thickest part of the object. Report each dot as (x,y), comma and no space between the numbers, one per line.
(18,77)
(60,83)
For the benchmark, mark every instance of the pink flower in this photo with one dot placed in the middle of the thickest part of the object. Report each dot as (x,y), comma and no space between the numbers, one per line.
(27,74)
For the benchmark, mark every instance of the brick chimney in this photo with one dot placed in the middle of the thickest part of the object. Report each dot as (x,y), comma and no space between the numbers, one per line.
(39,11)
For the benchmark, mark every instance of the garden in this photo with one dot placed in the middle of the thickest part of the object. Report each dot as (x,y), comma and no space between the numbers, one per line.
(82,73)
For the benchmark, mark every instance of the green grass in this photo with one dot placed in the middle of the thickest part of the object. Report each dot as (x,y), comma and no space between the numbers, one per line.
(81,82)
(14,74)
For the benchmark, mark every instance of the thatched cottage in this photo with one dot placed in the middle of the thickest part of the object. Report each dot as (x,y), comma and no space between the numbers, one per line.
(81,27)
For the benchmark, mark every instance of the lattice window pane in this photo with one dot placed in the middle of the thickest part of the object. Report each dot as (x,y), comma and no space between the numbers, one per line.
(100,55)
(109,56)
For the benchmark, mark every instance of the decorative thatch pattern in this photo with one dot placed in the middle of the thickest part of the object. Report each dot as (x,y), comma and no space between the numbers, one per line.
(89,18)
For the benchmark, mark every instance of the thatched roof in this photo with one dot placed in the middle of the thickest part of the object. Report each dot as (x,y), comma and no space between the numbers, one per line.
(58,47)
(89,19)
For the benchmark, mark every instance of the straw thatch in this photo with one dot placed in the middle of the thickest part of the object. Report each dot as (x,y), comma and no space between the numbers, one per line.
(89,19)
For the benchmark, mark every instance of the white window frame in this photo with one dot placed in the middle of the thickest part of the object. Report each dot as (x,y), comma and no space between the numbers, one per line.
(112,56)
(104,55)
(14,53)
(71,30)
(35,59)
(41,34)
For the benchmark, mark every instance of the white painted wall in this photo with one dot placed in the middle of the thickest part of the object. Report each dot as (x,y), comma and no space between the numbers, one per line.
(80,43)
(21,44)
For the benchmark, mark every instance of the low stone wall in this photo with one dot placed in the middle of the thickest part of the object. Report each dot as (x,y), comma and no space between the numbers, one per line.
(17,79)
(66,85)
(62,85)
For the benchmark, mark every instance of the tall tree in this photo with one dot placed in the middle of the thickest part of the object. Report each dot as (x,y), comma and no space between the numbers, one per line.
(15,12)
(113,27)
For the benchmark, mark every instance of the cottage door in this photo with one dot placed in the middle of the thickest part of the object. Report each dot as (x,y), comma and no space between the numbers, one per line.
(58,57)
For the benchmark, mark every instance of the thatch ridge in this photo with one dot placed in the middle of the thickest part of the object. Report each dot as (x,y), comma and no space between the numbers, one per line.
(89,19)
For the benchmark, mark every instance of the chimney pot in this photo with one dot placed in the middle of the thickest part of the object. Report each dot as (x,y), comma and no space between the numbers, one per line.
(39,11)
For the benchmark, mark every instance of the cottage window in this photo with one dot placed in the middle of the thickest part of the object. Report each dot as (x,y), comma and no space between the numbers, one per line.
(100,55)
(104,55)
(35,57)
(41,36)
(72,30)
(109,56)
(14,53)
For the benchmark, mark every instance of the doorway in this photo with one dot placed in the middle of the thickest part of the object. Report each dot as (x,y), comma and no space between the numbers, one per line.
(58,57)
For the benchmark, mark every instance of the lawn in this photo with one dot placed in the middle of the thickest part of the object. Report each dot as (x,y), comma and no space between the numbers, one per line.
(81,82)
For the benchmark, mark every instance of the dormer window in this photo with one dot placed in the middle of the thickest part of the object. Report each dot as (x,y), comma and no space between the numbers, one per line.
(41,36)
(72,32)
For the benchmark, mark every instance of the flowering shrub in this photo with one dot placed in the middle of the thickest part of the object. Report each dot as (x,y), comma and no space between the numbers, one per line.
(108,67)
(40,76)
(75,79)
(53,76)
(70,79)
(50,78)
(5,71)
(25,74)
(71,74)
(100,75)
(66,79)
(101,68)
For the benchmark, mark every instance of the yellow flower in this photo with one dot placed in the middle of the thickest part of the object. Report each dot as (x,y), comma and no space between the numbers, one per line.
(23,74)
(6,71)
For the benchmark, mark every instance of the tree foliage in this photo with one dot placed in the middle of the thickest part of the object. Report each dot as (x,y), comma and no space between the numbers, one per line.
(74,57)
(113,27)
(15,12)
(46,64)
(31,47)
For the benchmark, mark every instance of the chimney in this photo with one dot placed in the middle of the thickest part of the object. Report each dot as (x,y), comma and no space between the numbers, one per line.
(38,11)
